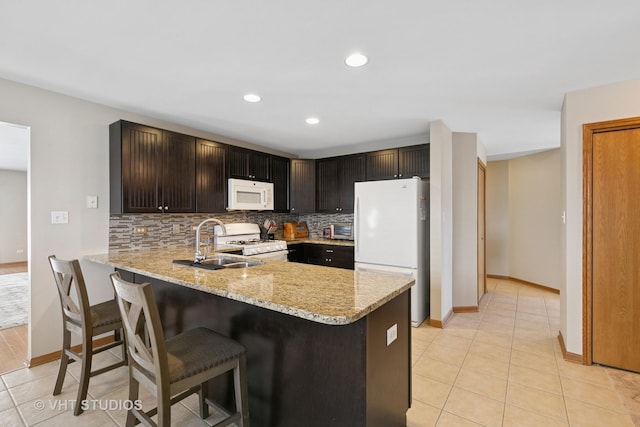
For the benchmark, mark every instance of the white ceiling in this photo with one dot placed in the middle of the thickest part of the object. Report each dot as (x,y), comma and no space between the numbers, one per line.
(499,68)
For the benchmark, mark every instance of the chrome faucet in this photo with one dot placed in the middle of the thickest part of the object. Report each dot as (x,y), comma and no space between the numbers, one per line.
(198,256)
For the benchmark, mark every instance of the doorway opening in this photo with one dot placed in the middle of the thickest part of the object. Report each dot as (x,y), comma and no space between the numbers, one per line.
(14,245)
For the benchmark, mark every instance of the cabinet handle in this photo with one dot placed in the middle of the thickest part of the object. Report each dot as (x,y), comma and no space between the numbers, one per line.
(337,209)
(166,208)
(293,209)
(329,251)
(160,208)
(395,175)
(400,175)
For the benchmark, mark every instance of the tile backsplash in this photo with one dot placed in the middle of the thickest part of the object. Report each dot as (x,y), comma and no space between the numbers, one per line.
(175,230)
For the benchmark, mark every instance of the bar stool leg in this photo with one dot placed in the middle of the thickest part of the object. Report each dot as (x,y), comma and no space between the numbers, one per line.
(64,361)
(85,374)
(204,406)
(241,392)
(134,387)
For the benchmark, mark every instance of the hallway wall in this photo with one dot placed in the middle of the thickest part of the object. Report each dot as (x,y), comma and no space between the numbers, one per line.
(13,216)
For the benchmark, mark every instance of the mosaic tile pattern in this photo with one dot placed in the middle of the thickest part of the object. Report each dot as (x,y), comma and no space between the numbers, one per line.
(176,230)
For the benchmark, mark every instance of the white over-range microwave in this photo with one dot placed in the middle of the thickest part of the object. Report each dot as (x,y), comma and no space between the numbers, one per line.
(250,195)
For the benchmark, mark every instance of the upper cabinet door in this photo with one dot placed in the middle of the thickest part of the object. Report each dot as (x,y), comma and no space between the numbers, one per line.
(413,161)
(211,177)
(336,177)
(280,179)
(398,163)
(351,170)
(140,158)
(249,164)
(382,165)
(327,192)
(260,166)
(179,172)
(151,170)
(303,186)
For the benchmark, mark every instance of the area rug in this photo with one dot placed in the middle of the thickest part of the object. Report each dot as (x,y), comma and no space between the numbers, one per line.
(14,292)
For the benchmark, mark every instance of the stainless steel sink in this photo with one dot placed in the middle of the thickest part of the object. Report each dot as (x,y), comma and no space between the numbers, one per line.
(219,262)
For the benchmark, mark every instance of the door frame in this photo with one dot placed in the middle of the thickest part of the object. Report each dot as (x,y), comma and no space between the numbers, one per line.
(483,167)
(588,130)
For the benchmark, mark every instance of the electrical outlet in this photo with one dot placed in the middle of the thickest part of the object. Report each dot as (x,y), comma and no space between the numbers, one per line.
(176,228)
(392,334)
(140,230)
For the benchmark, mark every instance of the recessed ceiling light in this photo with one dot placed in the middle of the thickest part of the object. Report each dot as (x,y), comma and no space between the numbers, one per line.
(313,120)
(356,60)
(252,97)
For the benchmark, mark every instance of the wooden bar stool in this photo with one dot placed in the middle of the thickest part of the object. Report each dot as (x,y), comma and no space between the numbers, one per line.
(178,367)
(85,320)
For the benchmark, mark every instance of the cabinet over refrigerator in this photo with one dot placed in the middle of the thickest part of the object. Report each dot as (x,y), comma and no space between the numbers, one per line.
(391,233)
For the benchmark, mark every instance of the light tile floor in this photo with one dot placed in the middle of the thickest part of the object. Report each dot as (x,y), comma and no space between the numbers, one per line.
(503,366)
(500,366)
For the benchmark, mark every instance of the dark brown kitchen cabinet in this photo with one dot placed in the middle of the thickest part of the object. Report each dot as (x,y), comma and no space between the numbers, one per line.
(280,178)
(335,179)
(398,163)
(331,256)
(325,255)
(151,170)
(249,164)
(211,174)
(303,186)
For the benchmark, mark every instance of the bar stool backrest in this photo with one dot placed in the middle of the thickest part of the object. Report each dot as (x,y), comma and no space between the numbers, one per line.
(143,329)
(70,283)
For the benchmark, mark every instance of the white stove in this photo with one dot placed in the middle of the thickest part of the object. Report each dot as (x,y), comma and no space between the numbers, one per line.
(246,236)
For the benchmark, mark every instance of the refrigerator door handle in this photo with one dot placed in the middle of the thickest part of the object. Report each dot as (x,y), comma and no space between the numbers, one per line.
(356,230)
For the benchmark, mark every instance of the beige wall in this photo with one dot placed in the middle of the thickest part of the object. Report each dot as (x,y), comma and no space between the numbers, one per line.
(466,152)
(69,160)
(615,101)
(441,220)
(13,216)
(535,218)
(524,209)
(498,218)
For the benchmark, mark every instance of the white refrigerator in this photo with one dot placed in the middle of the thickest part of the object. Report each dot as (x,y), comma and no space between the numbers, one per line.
(391,233)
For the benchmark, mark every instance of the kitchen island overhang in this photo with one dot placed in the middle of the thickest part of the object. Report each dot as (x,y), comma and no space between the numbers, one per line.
(320,340)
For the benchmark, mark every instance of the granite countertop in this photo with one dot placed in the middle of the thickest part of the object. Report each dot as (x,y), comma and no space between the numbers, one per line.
(320,241)
(321,294)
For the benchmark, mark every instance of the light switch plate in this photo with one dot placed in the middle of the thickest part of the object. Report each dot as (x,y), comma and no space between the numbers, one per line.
(392,334)
(59,217)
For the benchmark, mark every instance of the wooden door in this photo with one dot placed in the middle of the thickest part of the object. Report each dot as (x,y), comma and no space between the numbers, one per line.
(482,243)
(612,178)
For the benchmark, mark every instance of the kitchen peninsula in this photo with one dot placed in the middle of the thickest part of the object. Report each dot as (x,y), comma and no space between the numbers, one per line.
(325,346)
